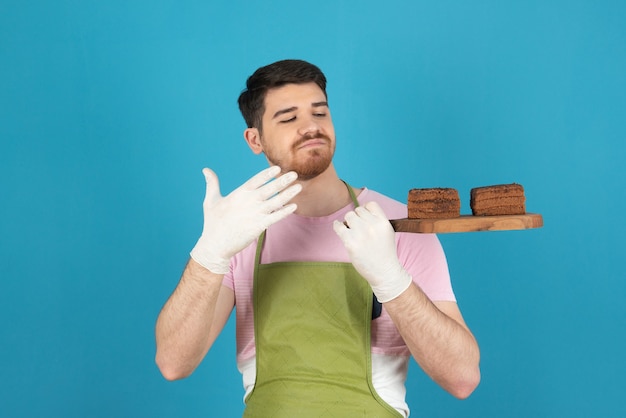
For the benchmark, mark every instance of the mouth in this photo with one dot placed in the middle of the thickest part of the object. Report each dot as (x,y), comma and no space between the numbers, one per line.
(311,143)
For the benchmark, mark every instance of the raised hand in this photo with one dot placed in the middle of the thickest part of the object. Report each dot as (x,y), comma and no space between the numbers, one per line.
(232,222)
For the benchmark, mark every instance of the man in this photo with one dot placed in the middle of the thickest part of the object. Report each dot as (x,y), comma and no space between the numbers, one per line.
(308,261)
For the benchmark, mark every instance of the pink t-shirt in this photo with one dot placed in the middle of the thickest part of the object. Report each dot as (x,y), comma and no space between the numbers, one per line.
(299,238)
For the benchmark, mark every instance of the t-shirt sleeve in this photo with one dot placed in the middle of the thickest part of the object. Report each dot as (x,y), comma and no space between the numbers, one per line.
(228,280)
(423,257)
(241,266)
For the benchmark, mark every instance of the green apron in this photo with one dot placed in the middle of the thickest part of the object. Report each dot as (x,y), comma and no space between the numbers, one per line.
(312,323)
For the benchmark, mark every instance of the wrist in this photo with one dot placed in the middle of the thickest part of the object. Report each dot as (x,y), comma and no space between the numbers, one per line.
(393,286)
(207,258)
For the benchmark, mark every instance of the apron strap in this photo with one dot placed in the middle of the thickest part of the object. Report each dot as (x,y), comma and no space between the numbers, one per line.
(377,307)
(259,248)
(352,195)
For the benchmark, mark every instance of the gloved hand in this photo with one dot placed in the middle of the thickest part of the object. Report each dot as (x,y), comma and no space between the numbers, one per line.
(370,241)
(231,223)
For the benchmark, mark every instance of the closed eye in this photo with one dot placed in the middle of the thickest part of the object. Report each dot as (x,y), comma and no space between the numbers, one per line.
(291,119)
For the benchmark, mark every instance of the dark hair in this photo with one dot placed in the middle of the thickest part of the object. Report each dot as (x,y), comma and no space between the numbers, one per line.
(252,99)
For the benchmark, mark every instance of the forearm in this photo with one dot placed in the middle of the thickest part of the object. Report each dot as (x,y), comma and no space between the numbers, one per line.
(199,307)
(183,327)
(444,347)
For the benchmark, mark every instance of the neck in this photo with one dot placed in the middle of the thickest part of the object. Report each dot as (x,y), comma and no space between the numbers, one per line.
(322,195)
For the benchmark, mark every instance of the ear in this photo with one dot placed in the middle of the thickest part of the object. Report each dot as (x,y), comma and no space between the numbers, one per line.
(253,139)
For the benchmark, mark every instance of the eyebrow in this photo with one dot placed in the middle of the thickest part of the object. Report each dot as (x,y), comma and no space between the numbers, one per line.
(291,109)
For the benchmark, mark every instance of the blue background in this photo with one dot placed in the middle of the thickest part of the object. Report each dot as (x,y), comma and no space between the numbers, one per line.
(109,110)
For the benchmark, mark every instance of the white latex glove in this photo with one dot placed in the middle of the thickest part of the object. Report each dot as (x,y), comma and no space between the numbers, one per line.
(370,241)
(231,223)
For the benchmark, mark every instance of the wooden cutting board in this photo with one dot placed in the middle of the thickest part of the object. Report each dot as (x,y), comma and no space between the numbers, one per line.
(468,223)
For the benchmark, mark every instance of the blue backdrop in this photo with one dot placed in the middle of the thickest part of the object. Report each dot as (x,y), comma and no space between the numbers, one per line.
(109,110)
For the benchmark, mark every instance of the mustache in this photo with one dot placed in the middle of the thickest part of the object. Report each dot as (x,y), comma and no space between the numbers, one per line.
(308,137)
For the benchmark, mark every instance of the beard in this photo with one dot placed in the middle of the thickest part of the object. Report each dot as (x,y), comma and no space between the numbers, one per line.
(308,163)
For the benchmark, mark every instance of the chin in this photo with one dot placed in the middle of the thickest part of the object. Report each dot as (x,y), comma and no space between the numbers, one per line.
(310,172)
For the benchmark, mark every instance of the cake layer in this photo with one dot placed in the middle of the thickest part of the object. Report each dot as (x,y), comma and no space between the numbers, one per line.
(416,213)
(499,201)
(444,193)
(438,205)
(496,191)
(500,210)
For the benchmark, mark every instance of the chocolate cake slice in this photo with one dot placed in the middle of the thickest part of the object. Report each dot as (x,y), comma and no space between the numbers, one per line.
(500,199)
(433,203)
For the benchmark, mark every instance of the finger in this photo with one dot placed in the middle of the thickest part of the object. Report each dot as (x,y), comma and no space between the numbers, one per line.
(270,189)
(282,198)
(375,209)
(280,214)
(353,220)
(341,230)
(261,178)
(212,185)
(364,214)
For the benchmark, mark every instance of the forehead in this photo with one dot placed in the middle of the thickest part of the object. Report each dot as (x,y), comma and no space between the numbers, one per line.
(293,95)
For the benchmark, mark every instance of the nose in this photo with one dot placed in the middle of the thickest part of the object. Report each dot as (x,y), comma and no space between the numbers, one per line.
(308,126)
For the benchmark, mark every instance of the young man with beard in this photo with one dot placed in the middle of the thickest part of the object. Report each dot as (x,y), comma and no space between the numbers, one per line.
(331,302)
